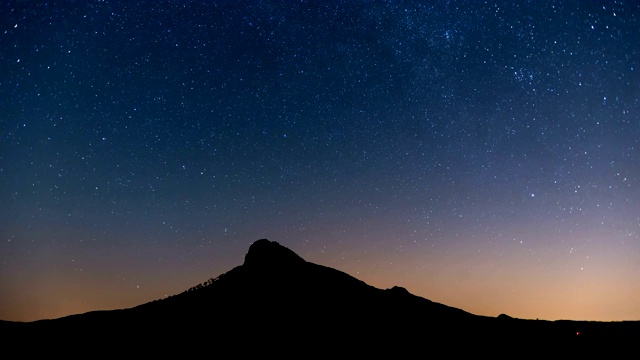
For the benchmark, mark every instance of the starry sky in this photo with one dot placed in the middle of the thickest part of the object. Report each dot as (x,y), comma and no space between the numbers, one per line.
(481,154)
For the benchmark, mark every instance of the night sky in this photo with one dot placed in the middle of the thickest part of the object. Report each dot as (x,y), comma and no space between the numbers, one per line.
(481,154)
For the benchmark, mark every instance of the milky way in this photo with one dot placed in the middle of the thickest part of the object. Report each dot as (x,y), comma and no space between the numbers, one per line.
(483,155)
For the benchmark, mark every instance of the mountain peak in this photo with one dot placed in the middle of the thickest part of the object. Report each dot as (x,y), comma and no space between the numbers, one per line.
(271,254)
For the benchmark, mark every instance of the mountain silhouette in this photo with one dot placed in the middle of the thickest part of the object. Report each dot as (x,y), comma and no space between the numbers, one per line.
(276,302)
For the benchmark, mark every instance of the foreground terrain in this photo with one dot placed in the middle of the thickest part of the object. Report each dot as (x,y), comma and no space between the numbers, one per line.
(276,302)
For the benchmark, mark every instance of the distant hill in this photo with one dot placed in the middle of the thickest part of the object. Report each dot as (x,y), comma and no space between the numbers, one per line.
(276,302)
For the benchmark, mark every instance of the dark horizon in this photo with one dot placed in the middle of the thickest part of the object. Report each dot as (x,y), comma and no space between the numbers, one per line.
(276,301)
(480,155)
(269,256)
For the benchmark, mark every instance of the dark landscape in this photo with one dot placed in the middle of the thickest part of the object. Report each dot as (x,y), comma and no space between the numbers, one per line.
(278,302)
